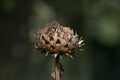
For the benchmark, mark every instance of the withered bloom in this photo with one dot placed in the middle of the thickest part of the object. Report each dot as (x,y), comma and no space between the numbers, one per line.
(58,40)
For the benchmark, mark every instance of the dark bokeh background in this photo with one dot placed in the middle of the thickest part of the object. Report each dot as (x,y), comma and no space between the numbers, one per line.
(96,20)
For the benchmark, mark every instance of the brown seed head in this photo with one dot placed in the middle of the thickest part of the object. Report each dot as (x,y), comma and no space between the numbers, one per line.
(57,40)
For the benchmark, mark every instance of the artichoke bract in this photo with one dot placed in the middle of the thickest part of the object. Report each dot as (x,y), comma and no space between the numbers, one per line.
(58,40)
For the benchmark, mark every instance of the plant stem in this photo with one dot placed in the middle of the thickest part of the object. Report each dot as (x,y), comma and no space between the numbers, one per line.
(57,68)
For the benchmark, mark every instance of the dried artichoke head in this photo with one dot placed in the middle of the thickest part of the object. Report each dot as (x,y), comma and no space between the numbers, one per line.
(58,40)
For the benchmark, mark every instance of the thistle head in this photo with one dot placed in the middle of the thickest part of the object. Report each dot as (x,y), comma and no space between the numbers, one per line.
(57,40)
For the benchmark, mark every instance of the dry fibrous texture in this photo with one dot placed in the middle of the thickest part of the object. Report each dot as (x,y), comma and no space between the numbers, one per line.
(58,40)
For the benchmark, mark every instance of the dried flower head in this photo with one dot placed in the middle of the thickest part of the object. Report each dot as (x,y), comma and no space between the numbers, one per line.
(58,40)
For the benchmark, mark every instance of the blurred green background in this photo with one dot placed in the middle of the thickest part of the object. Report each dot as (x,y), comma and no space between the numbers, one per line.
(98,21)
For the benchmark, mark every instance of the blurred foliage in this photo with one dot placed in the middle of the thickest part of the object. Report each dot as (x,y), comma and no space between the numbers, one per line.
(96,20)
(9,5)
